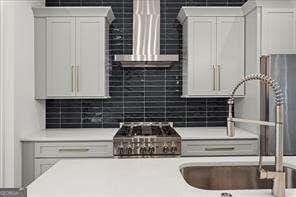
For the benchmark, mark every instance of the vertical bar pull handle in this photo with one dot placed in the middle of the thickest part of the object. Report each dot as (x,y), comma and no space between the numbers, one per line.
(219,77)
(72,78)
(77,79)
(214,77)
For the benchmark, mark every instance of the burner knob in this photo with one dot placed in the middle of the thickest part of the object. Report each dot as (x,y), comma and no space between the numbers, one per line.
(121,150)
(129,150)
(151,149)
(165,149)
(174,149)
(143,150)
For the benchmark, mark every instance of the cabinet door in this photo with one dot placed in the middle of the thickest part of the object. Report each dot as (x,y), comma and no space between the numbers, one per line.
(201,56)
(42,165)
(60,56)
(90,56)
(230,54)
(278,30)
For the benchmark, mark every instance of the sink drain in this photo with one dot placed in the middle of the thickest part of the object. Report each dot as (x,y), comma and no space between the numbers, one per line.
(226,195)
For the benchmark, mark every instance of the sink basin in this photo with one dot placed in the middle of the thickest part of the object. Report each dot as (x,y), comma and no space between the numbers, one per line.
(232,177)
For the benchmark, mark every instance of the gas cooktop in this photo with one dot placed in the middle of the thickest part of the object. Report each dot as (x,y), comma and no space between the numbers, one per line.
(147,139)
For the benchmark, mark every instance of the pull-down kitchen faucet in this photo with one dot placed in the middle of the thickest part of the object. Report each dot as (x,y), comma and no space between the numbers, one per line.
(278,176)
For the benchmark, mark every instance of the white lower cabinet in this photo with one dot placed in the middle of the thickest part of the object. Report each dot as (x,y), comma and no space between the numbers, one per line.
(38,157)
(73,149)
(219,147)
(42,165)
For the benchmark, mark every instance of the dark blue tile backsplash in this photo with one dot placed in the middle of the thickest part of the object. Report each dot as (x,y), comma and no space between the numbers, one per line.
(140,94)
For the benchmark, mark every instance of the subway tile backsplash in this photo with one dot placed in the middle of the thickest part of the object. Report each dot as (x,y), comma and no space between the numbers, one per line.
(140,94)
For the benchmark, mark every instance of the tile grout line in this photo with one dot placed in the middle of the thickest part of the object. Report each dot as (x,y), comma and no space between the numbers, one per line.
(102,112)
(165,73)
(81,109)
(206,112)
(144,94)
(60,108)
(123,69)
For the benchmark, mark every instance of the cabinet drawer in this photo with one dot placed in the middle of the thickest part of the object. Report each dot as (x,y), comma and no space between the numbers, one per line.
(219,147)
(74,149)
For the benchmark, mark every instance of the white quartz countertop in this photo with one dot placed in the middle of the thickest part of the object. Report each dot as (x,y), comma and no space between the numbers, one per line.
(148,177)
(94,134)
(107,134)
(214,133)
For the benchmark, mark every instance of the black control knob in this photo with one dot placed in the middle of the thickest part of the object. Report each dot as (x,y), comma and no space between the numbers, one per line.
(121,150)
(165,149)
(143,150)
(174,149)
(129,150)
(151,150)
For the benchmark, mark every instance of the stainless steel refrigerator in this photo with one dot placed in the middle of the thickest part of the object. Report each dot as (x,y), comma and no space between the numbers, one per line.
(281,67)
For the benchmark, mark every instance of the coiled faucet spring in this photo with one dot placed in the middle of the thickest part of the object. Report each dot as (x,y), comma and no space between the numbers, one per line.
(279,99)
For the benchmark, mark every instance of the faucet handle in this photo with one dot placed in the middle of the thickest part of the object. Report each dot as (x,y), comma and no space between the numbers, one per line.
(230,127)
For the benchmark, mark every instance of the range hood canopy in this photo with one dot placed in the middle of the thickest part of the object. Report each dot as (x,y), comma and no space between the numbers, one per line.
(146,38)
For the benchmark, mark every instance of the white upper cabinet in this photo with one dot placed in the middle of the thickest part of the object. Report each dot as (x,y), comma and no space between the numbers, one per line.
(73,61)
(201,53)
(278,28)
(275,25)
(213,51)
(230,53)
(90,79)
(60,56)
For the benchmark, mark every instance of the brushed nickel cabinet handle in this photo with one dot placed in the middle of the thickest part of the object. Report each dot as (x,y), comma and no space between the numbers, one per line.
(73,149)
(214,77)
(77,79)
(72,78)
(219,77)
(220,149)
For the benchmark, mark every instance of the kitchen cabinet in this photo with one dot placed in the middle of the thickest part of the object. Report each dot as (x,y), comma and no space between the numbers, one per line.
(38,157)
(42,165)
(60,47)
(219,147)
(213,141)
(72,52)
(213,51)
(278,30)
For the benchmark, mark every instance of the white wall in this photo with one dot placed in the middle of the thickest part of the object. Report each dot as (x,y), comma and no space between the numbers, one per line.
(1,100)
(249,107)
(21,113)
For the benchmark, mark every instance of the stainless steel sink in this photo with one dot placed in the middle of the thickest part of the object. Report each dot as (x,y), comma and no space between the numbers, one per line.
(232,177)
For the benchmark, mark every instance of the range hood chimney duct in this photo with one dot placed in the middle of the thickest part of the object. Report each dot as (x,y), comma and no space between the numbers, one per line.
(146,38)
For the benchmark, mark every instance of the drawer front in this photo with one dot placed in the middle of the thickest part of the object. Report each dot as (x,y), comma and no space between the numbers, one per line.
(42,165)
(219,147)
(74,149)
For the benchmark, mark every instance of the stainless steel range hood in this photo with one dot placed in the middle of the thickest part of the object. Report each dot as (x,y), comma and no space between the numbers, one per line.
(146,38)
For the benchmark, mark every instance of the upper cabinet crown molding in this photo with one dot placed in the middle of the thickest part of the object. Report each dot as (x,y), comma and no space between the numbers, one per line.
(74,11)
(194,11)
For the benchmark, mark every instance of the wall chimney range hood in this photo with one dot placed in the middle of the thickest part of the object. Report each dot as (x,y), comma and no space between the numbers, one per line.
(146,38)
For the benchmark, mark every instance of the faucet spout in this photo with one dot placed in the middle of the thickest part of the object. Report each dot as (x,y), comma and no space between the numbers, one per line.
(278,176)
